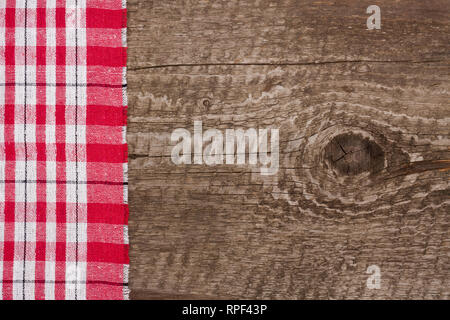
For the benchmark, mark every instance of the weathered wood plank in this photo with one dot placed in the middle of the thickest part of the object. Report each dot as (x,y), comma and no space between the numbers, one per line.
(287,31)
(311,230)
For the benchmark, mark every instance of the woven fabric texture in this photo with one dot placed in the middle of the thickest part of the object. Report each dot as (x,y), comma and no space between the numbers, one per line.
(63,153)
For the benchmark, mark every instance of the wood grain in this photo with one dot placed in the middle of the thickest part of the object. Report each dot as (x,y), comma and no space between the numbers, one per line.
(311,69)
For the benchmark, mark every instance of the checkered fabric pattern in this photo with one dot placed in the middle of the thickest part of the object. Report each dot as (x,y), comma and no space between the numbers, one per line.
(63,155)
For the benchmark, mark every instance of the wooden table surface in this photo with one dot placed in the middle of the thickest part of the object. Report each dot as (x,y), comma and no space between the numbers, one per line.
(364,165)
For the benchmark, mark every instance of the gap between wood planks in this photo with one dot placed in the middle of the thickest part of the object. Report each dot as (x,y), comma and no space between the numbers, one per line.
(278,63)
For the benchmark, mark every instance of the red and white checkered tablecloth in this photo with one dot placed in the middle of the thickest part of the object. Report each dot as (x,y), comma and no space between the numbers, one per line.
(63,153)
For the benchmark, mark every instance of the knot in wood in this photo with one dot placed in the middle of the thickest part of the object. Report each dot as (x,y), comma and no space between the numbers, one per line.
(352,154)
(207,103)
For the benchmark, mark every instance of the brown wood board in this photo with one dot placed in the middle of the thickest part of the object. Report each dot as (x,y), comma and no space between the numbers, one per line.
(364,156)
